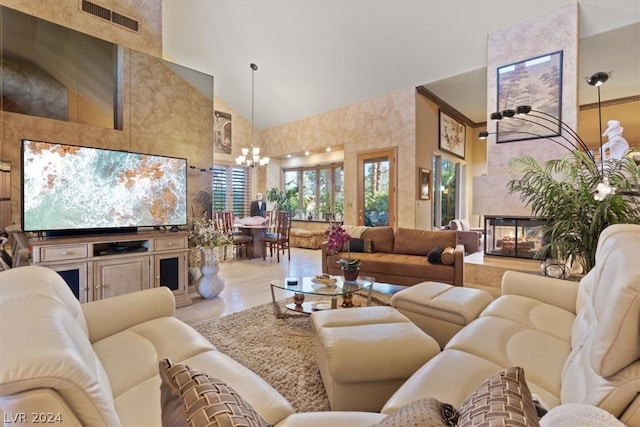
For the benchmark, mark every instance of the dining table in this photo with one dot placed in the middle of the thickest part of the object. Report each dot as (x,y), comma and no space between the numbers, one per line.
(257,230)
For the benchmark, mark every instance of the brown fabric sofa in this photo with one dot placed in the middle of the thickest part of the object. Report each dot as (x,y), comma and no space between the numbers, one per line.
(400,257)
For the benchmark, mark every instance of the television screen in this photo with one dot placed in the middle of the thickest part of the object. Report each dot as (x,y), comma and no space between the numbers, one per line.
(67,187)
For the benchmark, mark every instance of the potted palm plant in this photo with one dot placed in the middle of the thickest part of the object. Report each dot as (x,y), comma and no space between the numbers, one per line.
(337,237)
(579,198)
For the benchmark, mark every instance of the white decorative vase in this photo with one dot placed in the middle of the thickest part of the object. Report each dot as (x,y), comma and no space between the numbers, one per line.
(210,283)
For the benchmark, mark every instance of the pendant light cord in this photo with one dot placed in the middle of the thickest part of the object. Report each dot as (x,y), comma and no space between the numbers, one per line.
(254,67)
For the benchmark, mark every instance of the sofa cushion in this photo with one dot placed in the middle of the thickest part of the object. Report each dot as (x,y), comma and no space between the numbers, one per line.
(145,343)
(579,414)
(382,238)
(435,255)
(503,399)
(400,265)
(611,338)
(420,242)
(447,257)
(140,405)
(606,333)
(359,245)
(423,412)
(533,314)
(37,280)
(192,398)
(51,350)
(508,343)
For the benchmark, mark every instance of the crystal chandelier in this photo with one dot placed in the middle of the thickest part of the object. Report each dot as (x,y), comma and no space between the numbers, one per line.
(251,156)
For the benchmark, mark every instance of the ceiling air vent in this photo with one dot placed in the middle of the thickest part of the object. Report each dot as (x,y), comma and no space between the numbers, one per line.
(109,15)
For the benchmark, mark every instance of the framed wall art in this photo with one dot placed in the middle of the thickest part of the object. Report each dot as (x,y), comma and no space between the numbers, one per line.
(424,184)
(452,135)
(222,140)
(536,82)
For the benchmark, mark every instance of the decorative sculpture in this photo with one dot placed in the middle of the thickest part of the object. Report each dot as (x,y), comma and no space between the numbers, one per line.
(616,147)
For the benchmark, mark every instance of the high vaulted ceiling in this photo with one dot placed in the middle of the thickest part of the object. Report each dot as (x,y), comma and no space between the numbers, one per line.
(315,56)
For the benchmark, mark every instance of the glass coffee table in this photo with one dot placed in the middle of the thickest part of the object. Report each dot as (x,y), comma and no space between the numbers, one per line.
(333,289)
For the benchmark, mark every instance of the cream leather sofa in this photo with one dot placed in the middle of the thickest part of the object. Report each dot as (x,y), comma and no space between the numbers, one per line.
(577,342)
(97,363)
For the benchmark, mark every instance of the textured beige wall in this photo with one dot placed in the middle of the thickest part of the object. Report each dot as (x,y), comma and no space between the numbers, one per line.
(555,31)
(68,13)
(384,122)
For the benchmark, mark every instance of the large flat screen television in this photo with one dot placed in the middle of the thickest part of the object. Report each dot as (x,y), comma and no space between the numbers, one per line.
(72,188)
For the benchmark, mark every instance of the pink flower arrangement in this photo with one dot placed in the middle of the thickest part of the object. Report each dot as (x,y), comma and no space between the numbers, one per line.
(337,238)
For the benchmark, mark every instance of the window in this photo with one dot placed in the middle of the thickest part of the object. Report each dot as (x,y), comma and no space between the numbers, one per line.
(321,195)
(309,187)
(376,188)
(448,197)
(231,185)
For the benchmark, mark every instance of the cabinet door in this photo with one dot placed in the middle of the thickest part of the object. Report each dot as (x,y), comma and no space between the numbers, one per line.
(121,276)
(170,270)
(76,277)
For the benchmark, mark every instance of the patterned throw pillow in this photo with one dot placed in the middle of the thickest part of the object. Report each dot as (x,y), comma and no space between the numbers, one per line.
(503,399)
(192,398)
(428,412)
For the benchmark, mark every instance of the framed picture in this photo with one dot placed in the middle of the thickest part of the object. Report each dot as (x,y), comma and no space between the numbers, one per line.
(452,135)
(222,133)
(424,184)
(536,82)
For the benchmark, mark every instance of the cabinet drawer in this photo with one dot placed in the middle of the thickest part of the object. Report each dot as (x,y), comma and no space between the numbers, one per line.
(170,243)
(59,253)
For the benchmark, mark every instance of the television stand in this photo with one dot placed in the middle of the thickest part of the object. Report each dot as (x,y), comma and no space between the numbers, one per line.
(105,265)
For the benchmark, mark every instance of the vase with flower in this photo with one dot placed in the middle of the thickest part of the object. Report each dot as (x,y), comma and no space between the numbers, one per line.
(337,236)
(209,246)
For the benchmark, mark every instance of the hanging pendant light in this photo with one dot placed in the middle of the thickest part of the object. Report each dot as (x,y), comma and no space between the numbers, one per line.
(251,156)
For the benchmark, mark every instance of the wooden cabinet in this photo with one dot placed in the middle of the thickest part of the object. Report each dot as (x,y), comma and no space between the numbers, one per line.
(170,270)
(120,276)
(104,266)
(76,276)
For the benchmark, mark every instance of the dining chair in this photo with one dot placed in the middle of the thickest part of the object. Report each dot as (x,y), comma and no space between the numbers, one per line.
(20,252)
(5,258)
(278,240)
(223,222)
(241,242)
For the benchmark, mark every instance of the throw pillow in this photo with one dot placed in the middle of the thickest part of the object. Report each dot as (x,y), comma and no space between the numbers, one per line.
(358,245)
(434,255)
(447,256)
(579,414)
(192,398)
(503,399)
(428,412)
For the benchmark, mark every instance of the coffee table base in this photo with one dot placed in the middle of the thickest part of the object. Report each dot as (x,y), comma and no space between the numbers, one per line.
(299,306)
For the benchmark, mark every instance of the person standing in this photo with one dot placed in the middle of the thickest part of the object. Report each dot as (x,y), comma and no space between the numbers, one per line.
(258,206)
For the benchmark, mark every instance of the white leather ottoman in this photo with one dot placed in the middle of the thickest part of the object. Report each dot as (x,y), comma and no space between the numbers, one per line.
(365,354)
(440,310)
